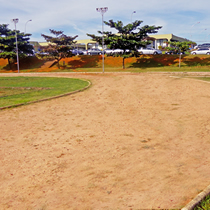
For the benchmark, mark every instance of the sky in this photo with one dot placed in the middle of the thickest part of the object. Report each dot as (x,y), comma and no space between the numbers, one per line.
(188,19)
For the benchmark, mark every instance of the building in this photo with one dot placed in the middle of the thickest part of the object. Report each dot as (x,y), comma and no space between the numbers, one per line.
(86,44)
(161,39)
(81,44)
(157,41)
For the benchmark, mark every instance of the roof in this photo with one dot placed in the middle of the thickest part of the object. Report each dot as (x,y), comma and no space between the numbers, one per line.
(169,37)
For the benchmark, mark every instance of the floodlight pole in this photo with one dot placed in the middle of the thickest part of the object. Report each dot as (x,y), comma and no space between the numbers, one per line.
(26,23)
(102,10)
(192,27)
(201,33)
(15,21)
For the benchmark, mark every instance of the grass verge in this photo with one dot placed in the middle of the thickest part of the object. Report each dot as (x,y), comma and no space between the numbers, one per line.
(207,79)
(204,204)
(117,69)
(23,90)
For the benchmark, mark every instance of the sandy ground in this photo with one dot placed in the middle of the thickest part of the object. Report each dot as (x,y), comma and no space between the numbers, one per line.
(131,141)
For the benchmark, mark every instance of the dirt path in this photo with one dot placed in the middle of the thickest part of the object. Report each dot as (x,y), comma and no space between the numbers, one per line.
(131,141)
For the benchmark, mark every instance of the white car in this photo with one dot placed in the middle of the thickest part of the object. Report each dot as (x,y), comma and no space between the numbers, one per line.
(115,51)
(149,51)
(120,51)
(204,51)
(108,51)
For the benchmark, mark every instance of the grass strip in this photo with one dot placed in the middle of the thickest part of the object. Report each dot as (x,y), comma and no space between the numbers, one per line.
(204,204)
(22,90)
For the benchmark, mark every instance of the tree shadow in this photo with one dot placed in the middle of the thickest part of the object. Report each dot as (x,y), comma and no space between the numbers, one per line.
(31,62)
(145,61)
(203,60)
(85,61)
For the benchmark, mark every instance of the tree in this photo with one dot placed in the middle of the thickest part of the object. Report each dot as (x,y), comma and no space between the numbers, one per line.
(8,44)
(129,37)
(179,48)
(59,46)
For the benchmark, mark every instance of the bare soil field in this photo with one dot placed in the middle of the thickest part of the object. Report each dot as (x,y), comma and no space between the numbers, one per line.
(130,141)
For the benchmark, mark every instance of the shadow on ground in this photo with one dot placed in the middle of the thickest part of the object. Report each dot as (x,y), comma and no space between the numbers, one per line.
(145,61)
(197,61)
(25,63)
(86,61)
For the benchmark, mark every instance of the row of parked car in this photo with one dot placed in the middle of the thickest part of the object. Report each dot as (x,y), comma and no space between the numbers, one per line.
(95,51)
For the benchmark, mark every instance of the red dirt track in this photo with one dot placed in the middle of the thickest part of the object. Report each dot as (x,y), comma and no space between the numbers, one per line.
(130,141)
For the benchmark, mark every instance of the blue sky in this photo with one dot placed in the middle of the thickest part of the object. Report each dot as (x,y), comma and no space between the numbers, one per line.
(185,18)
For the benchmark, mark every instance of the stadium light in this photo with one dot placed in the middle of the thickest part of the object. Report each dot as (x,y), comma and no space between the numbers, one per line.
(192,27)
(102,10)
(15,21)
(26,23)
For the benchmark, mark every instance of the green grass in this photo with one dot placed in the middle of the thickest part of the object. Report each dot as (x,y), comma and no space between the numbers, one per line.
(22,90)
(204,204)
(144,69)
(130,69)
(203,78)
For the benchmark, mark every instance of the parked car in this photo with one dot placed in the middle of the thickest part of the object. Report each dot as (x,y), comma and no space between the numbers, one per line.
(94,51)
(43,53)
(119,51)
(149,51)
(205,45)
(77,52)
(173,53)
(108,51)
(201,51)
(84,52)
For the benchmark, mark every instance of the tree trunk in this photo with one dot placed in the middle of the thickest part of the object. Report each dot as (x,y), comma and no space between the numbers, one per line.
(9,63)
(180,56)
(123,63)
(58,60)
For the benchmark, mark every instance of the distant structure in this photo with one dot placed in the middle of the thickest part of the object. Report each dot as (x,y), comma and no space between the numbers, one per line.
(158,40)
(161,39)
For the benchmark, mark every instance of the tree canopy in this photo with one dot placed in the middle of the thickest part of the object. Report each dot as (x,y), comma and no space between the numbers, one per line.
(59,46)
(8,44)
(129,37)
(179,48)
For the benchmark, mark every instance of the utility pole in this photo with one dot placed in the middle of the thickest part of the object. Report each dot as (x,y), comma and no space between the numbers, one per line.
(102,10)
(15,21)
(26,23)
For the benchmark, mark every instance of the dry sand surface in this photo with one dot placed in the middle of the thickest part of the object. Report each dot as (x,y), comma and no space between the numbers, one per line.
(130,141)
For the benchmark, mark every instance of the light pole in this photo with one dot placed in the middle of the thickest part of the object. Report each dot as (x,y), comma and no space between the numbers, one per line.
(102,10)
(132,15)
(201,34)
(26,23)
(207,37)
(15,21)
(192,27)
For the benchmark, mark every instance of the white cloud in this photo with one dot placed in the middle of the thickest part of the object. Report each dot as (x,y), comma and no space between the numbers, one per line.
(80,17)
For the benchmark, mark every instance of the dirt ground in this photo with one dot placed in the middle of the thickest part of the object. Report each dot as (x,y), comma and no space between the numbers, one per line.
(130,141)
